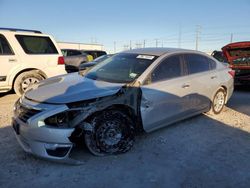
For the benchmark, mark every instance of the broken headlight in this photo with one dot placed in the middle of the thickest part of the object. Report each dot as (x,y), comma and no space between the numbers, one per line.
(63,119)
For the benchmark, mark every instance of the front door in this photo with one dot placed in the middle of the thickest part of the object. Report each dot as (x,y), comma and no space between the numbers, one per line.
(8,61)
(165,94)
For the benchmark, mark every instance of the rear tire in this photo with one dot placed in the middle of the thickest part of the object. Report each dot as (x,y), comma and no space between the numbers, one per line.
(218,102)
(26,79)
(113,133)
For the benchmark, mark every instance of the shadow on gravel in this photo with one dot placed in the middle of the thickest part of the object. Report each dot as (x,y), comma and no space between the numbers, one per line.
(198,152)
(240,101)
(7,93)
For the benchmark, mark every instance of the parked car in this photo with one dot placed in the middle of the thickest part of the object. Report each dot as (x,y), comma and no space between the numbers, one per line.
(90,64)
(73,59)
(95,53)
(238,57)
(131,92)
(219,56)
(27,57)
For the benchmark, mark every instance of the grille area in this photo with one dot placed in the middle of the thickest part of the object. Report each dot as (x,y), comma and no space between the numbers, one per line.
(24,113)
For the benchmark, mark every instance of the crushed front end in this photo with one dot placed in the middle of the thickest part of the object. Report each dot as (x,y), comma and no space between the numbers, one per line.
(35,136)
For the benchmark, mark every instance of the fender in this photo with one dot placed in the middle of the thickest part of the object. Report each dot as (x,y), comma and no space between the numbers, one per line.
(20,70)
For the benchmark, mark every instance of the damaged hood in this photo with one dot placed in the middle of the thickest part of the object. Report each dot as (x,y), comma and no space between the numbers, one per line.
(70,88)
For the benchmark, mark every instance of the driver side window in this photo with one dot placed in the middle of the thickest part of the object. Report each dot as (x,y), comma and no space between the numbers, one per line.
(169,68)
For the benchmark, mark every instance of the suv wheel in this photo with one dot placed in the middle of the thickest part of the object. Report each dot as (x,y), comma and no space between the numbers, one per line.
(26,79)
(113,133)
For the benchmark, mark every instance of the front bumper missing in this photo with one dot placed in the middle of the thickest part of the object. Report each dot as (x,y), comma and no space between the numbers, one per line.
(54,151)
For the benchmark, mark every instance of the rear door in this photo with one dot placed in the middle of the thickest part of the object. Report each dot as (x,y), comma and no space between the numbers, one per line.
(8,60)
(204,78)
(165,94)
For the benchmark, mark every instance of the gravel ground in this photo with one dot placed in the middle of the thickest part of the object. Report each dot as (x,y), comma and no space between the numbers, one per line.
(203,151)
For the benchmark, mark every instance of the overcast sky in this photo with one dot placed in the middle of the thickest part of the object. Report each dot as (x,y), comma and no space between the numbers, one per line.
(172,23)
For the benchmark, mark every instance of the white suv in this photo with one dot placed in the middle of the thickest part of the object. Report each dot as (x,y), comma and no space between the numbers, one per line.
(26,57)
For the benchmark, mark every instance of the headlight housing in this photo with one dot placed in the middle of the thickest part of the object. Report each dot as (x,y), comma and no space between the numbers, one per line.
(63,119)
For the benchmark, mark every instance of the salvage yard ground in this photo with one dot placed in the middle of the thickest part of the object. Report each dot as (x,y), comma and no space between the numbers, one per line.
(203,151)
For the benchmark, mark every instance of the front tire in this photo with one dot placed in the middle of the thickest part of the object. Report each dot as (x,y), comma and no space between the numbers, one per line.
(112,133)
(26,79)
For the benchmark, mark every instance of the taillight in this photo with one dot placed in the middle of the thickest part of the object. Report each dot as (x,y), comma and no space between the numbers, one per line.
(60,60)
(232,73)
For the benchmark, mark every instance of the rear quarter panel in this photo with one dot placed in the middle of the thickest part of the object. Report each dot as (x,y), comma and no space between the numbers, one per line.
(226,80)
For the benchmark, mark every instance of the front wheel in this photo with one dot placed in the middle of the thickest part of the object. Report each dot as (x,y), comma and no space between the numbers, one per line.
(112,133)
(218,102)
(26,79)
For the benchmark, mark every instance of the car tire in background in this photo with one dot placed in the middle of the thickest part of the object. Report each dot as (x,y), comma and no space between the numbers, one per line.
(26,79)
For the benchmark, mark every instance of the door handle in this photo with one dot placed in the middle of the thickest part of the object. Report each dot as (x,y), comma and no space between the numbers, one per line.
(12,60)
(213,77)
(185,86)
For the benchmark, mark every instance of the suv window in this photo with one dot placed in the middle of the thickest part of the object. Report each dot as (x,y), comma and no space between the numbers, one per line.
(5,48)
(197,63)
(168,69)
(73,53)
(36,44)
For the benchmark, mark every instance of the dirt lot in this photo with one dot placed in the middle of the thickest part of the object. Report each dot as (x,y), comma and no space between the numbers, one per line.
(203,151)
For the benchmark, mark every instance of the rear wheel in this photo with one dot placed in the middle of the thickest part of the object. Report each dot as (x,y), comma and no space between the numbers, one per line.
(218,102)
(26,79)
(112,133)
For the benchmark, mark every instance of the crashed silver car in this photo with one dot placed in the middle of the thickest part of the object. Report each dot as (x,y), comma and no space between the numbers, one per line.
(134,91)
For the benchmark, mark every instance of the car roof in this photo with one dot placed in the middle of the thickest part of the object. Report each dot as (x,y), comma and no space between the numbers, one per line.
(157,51)
(7,32)
(19,31)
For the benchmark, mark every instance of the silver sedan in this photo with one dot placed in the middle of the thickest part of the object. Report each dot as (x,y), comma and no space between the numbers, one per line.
(134,91)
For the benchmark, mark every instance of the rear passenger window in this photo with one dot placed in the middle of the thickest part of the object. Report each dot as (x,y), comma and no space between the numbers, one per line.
(36,44)
(5,48)
(196,63)
(167,69)
(212,63)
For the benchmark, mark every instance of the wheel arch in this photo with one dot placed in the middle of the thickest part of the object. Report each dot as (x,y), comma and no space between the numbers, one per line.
(129,111)
(26,70)
(225,88)
(220,87)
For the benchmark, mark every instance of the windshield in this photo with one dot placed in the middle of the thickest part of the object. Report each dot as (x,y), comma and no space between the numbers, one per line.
(121,68)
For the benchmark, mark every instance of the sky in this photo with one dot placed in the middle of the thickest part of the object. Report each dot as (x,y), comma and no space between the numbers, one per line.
(116,24)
